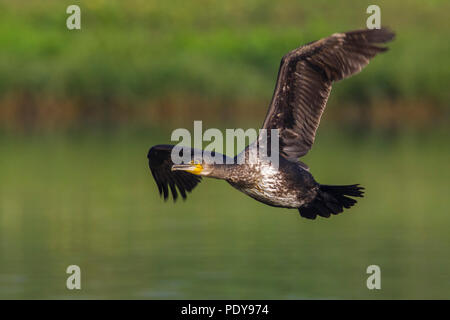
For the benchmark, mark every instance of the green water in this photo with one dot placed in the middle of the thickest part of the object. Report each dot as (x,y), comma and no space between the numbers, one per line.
(90,201)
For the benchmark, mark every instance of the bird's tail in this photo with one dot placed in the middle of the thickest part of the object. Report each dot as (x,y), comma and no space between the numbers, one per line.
(331,200)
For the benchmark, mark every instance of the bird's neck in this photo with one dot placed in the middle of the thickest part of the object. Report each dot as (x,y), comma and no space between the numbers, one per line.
(218,171)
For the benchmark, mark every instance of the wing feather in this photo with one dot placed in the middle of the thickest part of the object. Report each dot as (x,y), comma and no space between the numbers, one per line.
(304,84)
(160,163)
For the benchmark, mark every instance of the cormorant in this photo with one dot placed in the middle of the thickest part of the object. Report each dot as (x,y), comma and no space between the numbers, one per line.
(302,89)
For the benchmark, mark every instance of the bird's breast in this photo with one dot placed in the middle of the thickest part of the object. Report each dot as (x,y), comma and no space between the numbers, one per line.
(267,184)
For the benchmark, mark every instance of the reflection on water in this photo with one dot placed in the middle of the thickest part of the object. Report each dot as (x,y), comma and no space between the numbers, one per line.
(91,202)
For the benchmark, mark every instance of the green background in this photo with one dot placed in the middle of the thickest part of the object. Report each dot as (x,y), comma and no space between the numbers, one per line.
(79,110)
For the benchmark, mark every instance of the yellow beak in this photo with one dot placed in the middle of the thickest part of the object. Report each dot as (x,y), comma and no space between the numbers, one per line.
(194,168)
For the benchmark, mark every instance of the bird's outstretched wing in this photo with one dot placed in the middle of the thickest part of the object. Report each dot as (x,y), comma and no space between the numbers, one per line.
(160,163)
(304,83)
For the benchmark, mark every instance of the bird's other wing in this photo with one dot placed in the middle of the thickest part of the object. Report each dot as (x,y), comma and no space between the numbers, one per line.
(160,163)
(304,83)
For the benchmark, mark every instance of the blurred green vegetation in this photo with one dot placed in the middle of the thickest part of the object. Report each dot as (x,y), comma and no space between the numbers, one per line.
(137,52)
(85,196)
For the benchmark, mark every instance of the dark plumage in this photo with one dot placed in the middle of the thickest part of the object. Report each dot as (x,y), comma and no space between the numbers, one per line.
(303,86)
(160,165)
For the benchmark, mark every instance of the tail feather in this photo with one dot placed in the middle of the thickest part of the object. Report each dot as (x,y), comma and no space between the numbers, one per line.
(331,200)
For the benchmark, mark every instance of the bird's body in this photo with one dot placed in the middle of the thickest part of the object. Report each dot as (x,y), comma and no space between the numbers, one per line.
(287,186)
(303,86)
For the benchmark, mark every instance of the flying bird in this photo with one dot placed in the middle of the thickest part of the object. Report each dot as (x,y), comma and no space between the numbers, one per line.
(304,82)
